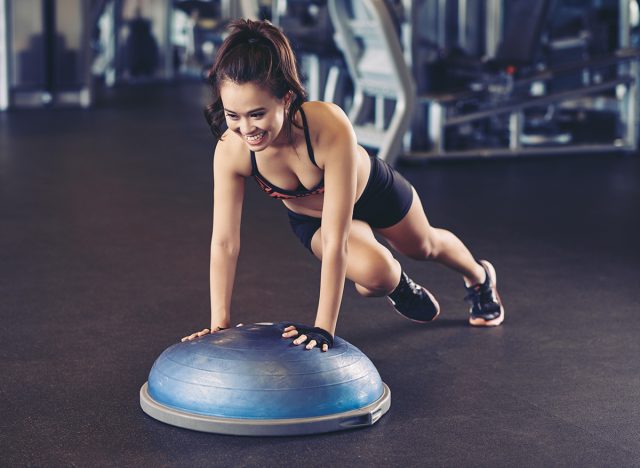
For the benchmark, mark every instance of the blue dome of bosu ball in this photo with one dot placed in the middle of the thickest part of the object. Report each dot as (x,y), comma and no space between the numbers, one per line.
(249,380)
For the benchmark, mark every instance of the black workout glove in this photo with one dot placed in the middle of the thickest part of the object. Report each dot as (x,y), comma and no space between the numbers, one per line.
(320,335)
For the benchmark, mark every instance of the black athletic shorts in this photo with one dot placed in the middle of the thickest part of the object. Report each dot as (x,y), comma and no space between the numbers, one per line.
(386,199)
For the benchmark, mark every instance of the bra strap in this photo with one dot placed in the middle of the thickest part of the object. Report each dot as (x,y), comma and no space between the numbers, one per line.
(307,137)
(254,164)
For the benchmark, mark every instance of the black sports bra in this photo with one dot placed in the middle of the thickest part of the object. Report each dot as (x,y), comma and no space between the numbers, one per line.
(280,193)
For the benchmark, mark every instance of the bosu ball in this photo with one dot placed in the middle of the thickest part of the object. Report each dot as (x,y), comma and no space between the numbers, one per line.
(249,380)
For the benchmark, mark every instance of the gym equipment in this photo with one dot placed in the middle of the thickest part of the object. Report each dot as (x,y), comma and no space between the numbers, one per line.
(308,27)
(557,83)
(367,35)
(45,52)
(249,380)
(552,78)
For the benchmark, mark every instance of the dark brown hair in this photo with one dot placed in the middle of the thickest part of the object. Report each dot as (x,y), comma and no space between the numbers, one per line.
(254,52)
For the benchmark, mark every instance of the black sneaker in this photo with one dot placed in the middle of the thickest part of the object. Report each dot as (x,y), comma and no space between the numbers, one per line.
(414,302)
(486,306)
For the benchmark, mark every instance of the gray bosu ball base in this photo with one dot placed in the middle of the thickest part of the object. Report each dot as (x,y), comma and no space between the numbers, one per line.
(366,416)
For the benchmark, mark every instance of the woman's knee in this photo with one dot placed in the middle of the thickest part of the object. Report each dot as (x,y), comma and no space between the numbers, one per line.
(427,249)
(377,276)
(366,292)
(423,244)
(424,251)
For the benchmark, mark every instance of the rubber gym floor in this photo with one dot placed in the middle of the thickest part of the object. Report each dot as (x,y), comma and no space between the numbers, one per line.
(105,225)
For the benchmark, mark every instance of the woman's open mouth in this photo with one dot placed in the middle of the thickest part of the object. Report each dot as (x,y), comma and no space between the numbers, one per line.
(255,139)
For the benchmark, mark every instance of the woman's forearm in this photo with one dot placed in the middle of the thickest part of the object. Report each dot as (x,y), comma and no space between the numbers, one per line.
(222,275)
(332,277)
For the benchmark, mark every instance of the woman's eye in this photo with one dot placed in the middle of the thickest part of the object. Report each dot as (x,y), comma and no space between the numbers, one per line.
(257,116)
(232,117)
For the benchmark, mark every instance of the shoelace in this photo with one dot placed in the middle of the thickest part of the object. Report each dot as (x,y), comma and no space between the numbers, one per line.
(415,289)
(482,297)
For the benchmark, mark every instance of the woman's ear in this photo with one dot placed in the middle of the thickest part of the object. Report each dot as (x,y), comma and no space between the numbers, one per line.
(288,98)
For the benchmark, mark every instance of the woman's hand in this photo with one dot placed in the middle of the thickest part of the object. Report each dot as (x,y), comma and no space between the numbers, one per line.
(313,336)
(203,332)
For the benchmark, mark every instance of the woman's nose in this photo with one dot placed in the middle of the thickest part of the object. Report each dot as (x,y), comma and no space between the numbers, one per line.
(245,127)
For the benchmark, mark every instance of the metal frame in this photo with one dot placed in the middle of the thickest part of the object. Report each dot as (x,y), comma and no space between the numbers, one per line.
(232,9)
(4,55)
(624,31)
(442,113)
(493,26)
(167,47)
(378,72)
(110,72)
(86,93)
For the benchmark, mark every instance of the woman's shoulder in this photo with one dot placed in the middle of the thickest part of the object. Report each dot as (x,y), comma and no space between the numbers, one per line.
(320,109)
(232,154)
(326,119)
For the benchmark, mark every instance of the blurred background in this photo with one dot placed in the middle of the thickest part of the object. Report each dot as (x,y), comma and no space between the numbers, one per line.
(105,225)
(420,79)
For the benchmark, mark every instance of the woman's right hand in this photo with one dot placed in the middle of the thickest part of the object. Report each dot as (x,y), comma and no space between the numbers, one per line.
(203,332)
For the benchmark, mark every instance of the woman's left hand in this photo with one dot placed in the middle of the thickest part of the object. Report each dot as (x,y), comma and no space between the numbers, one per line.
(312,336)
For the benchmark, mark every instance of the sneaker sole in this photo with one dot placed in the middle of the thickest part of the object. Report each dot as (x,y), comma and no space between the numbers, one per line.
(478,321)
(433,300)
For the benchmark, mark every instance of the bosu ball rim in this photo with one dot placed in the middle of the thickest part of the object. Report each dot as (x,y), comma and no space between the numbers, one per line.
(361,417)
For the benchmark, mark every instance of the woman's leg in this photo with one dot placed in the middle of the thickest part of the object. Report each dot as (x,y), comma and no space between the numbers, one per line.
(376,273)
(414,237)
(370,265)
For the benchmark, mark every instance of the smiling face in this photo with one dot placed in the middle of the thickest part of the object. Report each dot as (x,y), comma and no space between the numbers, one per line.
(253,113)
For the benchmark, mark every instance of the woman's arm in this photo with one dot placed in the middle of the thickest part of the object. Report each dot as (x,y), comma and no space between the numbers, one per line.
(228,195)
(337,152)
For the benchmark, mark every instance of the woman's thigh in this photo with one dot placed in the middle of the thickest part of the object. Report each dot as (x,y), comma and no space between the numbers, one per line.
(369,263)
(412,236)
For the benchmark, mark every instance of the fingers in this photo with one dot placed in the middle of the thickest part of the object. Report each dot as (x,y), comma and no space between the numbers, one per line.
(311,344)
(289,332)
(195,335)
(301,339)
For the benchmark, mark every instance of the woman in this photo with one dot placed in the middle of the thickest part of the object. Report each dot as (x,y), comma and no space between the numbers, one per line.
(306,155)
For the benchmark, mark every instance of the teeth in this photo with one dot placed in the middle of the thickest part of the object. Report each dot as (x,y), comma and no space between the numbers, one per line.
(254,138)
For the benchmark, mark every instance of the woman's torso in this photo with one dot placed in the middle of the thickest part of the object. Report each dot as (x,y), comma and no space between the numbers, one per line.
(291,167)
